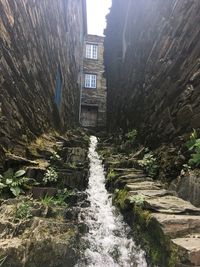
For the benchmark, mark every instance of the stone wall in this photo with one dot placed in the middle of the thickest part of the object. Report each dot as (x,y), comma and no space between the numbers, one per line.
(40,40)
(152,59)
(95,97)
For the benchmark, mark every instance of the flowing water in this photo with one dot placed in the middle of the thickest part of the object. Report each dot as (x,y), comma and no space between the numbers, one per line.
(108,243)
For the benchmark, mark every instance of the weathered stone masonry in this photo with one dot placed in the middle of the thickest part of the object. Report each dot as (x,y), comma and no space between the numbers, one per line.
(153,67)
(93,100)
(41,58)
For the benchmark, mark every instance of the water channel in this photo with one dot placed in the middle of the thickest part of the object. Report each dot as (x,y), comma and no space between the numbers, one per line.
(109,243)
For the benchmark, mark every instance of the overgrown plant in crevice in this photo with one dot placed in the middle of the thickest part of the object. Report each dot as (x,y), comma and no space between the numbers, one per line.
(138,200)
(131,136)
(110,179)
(129,143)
(51,176)
(111,175)
(55,159)
(60,199)
(23,210)
(150,164)
(193,146)
(15,182)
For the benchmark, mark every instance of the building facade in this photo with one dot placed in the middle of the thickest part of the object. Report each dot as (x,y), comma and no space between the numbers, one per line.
(93,97)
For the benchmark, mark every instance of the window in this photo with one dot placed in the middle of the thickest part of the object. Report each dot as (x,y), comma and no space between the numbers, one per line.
(91,51)
(90,80)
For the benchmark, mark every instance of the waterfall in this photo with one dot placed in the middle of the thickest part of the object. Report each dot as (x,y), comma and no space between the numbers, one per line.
(108,243)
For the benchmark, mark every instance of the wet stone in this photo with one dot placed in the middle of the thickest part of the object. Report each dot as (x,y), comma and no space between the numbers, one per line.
(85,204)
(71,214)
(83,228)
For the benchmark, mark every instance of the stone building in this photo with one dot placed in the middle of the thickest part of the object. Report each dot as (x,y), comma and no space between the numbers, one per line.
(41,62)
(93,98)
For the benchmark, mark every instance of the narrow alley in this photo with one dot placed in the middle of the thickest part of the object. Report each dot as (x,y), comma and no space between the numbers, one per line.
(100,133)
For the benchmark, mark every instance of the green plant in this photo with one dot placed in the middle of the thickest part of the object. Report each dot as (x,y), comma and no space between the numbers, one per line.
(137,200)
(55,156)
(112,174)
(47,201)
(23,210)
(50,176)
(62,196)
(15,182)
(58,200)
(131,135)
(149,163)
(72,165)
(193,145)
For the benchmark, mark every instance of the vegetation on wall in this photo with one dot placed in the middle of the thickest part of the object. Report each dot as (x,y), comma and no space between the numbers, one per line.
(15,182)
(193,146)
(150,164)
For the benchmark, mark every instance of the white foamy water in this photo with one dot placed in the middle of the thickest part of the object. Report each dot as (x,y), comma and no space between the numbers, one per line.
(108,244)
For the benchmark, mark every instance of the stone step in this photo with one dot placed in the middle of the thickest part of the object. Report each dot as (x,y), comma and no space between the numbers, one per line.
(120,183)
(127,170)
(143,186)
(176,225)
(152,193)
(171,205)
(189,249)
(135,175)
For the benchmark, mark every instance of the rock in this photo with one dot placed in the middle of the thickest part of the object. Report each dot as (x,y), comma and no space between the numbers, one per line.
(77,155)
(13,161)
(188,186)
(14,251)
(83,228)
(121,182)
(176,225)
(195,122)
(189,248)
(160,101)
(127,171)
(184,115)
(151,193)
(37,242)
(71,214)
(171,204)
(32,110)
(143,186)
(85,204)
(74,178)
(76,197)
(36,173)
(41,192)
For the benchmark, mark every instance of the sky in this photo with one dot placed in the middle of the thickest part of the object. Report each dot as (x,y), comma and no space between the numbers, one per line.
(96,12)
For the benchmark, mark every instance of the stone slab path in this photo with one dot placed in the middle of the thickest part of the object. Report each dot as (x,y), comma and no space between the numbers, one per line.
(178,219)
